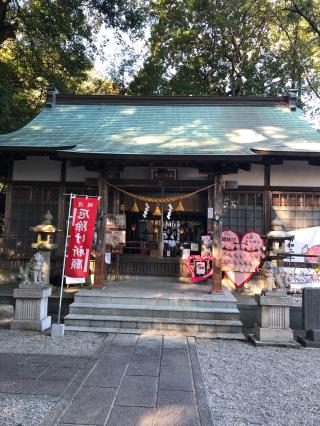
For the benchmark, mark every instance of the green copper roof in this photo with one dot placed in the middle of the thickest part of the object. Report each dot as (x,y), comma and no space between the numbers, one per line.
(164,129)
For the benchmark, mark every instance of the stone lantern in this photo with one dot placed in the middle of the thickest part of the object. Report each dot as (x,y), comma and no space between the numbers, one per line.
(31,311)
(276,239)
(45,243)
(273,326)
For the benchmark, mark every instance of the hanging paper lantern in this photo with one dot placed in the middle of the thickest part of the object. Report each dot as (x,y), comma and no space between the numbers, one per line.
(157,211)
(135,208)
(180,207)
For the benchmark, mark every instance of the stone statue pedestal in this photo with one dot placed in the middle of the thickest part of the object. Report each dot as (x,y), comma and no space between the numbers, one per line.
(273,326)
(31,309)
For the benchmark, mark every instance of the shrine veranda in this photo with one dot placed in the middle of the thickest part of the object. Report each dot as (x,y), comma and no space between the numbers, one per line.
(258,156)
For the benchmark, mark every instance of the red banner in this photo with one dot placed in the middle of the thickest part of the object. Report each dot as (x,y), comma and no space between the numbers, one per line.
(83,217)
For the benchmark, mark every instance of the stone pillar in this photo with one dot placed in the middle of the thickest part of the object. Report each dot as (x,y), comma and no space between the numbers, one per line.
(217,233)
(31,309)
(273,327)
(311,317)
(100,268)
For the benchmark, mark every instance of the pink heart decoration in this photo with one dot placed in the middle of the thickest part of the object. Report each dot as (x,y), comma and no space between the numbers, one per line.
(241,257)
(191,267)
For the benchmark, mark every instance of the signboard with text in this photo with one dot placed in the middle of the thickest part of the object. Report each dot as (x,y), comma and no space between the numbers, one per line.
(82,222)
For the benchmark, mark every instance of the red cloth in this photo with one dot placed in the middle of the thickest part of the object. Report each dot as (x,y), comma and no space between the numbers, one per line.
(83,217)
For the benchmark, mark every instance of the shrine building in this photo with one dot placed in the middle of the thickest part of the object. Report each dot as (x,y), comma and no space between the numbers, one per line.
(211,163)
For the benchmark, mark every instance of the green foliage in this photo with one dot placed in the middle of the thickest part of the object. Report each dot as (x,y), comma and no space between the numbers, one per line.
(51,43)
(223,47)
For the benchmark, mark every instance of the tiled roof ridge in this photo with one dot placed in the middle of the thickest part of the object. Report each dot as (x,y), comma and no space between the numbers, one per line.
(173,100)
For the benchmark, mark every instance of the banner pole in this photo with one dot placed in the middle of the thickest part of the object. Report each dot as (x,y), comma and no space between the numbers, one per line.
(72,196)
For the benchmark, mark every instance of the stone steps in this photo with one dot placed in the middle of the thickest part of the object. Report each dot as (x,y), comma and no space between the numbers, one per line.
(87,296)
(214,316)
(225,336)
(146,323)
(173,311)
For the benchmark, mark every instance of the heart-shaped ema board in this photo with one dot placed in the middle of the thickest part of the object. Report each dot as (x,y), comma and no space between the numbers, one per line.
(241,257)
(197,265)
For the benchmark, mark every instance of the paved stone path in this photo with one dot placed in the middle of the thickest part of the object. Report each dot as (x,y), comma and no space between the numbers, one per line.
(130,381)
(138,380)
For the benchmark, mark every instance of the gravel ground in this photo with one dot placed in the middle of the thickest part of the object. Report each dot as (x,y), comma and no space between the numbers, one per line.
(71,343)
(25,411)
(32,410)
(270,386)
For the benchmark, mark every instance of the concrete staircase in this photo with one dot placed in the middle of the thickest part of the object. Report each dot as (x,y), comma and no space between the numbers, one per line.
(214,317)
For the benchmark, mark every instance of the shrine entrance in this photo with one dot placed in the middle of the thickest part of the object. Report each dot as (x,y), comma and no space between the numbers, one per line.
(160,228)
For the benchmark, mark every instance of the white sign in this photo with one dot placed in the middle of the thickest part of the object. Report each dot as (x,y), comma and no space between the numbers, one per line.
(185,253)
(107,258)
(306,241)
(210,212)
(200,268)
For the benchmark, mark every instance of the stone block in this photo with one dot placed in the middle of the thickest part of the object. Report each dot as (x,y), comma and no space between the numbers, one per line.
(273,320)
(176,408)
(138,391)
(272,300)
(311,308)
(33,325)
(274,316)
(31,309)
(175,357)
(139,416)
(6,311)
(57,330)
(106,375)
(273,334)
(313,335)
(80,412)
(176,378)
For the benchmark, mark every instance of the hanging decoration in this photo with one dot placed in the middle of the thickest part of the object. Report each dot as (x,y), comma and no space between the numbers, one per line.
(169,211)
(157,211)
(180,207)
(135,208)
(146,211)
(200,267)
(160,200)
(241,257)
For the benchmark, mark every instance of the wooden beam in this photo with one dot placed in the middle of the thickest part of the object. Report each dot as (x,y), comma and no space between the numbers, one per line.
(217,235)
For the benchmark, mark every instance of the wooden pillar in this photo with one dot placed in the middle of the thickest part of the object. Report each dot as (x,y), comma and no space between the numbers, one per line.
(62,209)
(210,205)
(216,235)
(8,208)
(267,199)
(116,202)
(100,268)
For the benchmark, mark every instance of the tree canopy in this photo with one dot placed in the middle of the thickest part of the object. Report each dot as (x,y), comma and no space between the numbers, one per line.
(52,43)
(194,47)
(223,47)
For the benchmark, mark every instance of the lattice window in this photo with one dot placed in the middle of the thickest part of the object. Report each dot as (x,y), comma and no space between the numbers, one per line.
(243,211)
(28,207)
(296,209)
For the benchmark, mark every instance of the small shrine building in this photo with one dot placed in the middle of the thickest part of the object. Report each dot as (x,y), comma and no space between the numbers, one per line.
(225,162)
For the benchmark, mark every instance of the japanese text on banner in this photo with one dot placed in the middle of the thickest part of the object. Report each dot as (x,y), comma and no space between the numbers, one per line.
(84,212)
